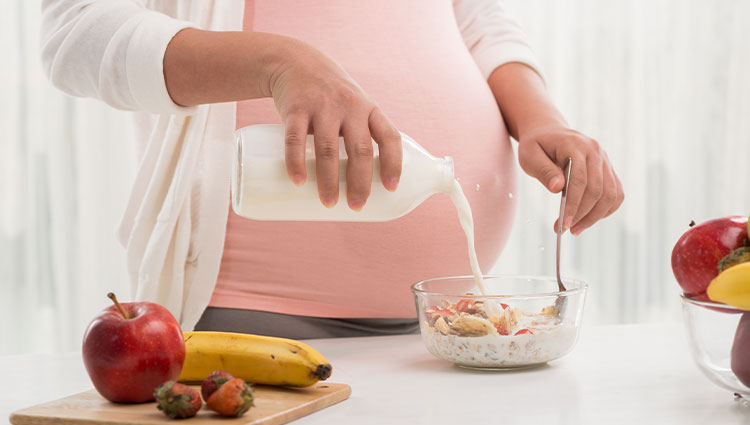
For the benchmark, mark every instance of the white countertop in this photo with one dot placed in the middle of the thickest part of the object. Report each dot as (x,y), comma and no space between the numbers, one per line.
(629,374)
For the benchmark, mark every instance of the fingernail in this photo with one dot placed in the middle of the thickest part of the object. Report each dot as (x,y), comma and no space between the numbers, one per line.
(553,181)
(298,179)
(356,205)
(391,184)
(329,202)
(567,223)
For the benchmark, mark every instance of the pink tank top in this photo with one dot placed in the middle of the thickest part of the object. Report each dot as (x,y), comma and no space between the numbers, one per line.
(410,58)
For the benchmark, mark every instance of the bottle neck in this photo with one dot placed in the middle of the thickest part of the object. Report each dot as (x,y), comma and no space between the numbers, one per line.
(447,176)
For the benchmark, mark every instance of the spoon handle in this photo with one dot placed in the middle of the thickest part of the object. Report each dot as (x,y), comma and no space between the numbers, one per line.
(561,219)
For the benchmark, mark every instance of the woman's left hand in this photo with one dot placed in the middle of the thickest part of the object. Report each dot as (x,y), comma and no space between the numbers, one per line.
(595,190)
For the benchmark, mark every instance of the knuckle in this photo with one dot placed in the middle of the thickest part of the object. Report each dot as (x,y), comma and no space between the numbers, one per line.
(347,95)
(294,139)
(392,136)
(327,151)
(295,109)
(609,197)
(548,172)
(389,142)
(578,179)
(325,102)
(596,146)
(596,190)
(363,150)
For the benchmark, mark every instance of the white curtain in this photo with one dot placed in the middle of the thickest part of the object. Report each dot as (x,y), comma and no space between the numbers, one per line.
(65,170)
(663,85)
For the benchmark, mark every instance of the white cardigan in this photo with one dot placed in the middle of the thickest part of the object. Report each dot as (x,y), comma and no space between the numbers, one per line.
(174,224)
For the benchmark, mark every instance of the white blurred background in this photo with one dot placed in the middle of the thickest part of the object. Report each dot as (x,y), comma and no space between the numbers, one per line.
(662,84)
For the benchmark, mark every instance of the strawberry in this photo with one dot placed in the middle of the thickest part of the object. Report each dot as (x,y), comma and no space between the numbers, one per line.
(434,312)
(213,382)
(501,330)
(233,398)
(463,306)
(524,331)
(177,400)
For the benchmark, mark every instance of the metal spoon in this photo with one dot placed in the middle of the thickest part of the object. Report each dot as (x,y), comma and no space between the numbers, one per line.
(560,302)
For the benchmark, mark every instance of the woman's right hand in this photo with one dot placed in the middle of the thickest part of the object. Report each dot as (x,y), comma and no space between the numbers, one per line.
(312,93)
(315,95)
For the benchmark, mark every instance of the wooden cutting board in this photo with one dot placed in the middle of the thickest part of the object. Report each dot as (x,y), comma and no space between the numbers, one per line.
(273,405)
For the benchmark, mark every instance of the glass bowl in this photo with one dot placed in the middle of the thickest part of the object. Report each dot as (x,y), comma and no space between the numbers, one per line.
(515,325)
(711,330)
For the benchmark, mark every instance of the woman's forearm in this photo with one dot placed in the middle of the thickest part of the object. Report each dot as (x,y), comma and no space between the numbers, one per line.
(210,66)
(523,100)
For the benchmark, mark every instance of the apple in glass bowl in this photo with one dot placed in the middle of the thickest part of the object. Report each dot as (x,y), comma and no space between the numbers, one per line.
(705,249)
(711,262)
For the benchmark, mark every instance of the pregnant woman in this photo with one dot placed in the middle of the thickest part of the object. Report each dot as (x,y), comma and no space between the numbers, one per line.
(457,77)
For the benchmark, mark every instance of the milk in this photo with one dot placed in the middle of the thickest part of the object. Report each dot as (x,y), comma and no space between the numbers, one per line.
(467,224)
(262,190)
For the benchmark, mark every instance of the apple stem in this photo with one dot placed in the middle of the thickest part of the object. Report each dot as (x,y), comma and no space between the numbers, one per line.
(112,296)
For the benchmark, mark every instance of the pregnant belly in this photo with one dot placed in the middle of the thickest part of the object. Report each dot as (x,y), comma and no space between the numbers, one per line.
(409,57)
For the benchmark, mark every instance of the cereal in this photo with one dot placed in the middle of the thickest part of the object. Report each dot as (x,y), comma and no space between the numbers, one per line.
(466,334)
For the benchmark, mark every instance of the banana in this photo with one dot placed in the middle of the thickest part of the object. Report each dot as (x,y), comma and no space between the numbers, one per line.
(254,358)
(732,286)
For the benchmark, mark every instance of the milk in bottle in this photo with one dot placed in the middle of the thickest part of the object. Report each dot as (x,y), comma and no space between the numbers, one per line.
(262,190)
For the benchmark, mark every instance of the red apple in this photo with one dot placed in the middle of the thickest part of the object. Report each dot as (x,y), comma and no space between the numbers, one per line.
(130,349)
(696,255)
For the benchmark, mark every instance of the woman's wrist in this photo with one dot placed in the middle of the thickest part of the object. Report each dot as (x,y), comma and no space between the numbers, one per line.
(523,100)
(210,66)
(542,120)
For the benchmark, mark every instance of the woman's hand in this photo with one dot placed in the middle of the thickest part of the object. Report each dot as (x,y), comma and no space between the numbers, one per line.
(314,94)
(545,142)
(595,190)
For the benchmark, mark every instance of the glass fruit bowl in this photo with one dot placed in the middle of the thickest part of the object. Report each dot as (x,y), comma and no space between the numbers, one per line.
(719,338)
(516,325)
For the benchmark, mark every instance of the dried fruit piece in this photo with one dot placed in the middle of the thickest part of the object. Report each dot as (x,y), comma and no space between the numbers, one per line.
(213,382)
(524,331)
(467,325)
(550,310)
(434,312)
(177,400)
(233,398)
(442,326)
(463,306)
(501,330)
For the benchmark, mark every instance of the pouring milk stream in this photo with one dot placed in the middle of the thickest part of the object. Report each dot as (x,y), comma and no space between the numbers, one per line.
(262,190)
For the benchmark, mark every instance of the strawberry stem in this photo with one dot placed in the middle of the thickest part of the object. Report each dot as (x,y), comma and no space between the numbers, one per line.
(112,297)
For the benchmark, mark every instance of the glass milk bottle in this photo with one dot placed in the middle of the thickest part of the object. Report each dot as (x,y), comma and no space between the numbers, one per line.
(262,190)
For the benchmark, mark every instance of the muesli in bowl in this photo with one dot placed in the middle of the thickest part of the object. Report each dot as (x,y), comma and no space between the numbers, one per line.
(522,321)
